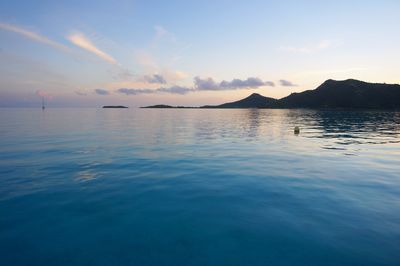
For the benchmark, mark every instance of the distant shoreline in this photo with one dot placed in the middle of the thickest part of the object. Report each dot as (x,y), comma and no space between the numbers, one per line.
(277,108)
(115,106)
(346,94)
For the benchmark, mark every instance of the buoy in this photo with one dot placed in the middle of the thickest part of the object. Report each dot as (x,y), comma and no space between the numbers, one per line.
(296,130)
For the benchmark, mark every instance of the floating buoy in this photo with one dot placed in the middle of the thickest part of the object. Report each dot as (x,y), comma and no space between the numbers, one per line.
(296,130)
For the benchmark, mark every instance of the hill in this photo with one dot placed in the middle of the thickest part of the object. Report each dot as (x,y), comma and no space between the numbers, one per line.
(158,106)
(345,94)
(255,100)
(114,106)
(350,94)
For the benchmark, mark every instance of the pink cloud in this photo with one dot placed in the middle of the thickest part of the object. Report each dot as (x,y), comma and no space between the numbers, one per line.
(44,94)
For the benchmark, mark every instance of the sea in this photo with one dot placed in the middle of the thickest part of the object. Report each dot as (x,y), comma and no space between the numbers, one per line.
(199,187)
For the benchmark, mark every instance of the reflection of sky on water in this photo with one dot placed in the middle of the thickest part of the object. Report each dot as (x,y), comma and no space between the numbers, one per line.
(87,141)
(219,178)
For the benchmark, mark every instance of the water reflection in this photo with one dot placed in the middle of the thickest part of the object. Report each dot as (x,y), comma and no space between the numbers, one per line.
(341,127)
(101,137)
(229,183)
(253,117)
(364,127)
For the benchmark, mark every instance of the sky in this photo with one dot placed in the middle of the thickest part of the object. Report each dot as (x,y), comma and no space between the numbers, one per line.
(136,53)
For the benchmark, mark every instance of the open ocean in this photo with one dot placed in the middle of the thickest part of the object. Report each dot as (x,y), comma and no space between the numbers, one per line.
(199,187)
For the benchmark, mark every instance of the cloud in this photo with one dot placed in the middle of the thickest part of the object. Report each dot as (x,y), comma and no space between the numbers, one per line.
(77,38)
(269,83)
(207,84)
(156,78)
(172,76)
(43,94)
(162,33)
(101,92)
(145,59)
(150,65)
(33,36)
(179,74)
(173,89)
(176,90)
(287,83)
(248,83)
(80,93)
(322,45)
(80,40)
(135,91)
(235,84)
(123,73)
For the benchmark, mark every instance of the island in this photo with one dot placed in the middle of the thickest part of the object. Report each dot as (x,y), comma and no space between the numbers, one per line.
(163,106)
(159,106)
(332,94)
(114,106)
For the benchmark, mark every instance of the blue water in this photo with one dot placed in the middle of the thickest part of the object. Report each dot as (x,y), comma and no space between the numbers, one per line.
(199,187)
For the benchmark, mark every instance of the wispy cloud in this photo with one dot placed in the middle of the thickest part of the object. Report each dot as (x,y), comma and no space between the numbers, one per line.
(173,90)
(43,94)
(121,73)
(147,61)
(287,83)
(249,83)
(135,91)
(80,40)
(80,93)
(206,84)
(101,92)
(33,36)
(162,33)
(322,45)
(176,90)
(155,78)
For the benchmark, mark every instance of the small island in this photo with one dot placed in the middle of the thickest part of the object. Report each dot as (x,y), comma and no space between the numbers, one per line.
(159,106)
(163,106)
(114,106)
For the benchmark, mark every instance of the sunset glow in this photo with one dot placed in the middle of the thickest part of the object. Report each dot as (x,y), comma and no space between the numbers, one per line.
(135,53)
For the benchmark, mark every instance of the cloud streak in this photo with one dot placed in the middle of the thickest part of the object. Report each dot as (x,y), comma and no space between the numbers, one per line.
(80,93)
(127,91)
(162,33)
(33,36)
(156,78)
(208,84)
(173,90)
(101,92)
(287,83)
(43,94)
(80,40)
(176,90)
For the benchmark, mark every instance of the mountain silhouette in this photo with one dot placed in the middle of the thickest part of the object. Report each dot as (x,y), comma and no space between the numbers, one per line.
(159,106)
(348,93)
(114,106)
(255,100)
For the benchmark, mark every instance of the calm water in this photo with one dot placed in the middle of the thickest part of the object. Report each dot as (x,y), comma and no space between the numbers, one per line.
(199,187)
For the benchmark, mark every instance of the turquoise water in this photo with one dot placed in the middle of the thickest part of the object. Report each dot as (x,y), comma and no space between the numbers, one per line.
(199,187)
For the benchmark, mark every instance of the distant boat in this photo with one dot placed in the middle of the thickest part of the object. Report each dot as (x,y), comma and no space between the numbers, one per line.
(43,107)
